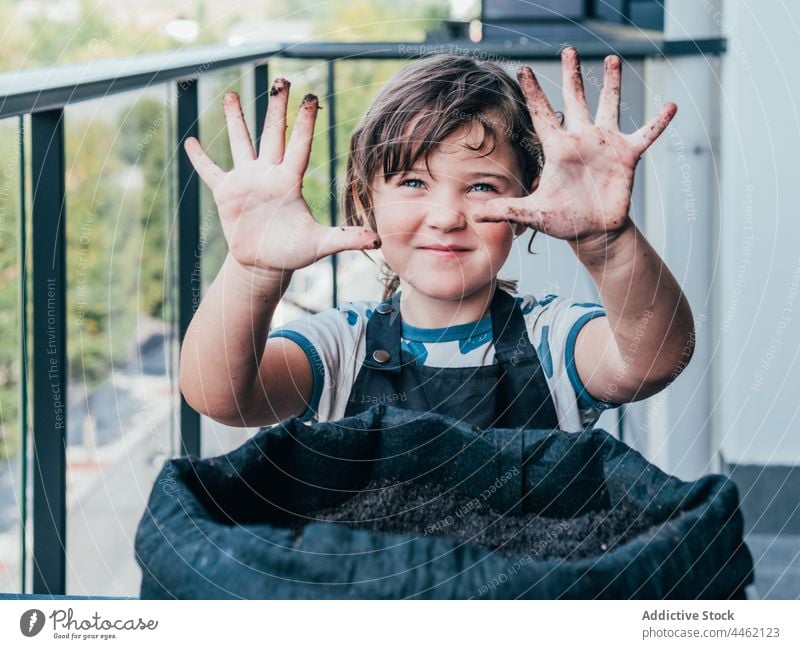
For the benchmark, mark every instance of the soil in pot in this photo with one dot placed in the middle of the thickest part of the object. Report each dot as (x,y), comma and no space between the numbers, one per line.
(427,510)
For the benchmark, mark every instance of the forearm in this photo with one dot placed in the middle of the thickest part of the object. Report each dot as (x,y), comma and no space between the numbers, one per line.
(222,350)
(648,313)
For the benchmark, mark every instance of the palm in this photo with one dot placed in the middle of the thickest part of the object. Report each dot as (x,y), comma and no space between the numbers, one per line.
(585,186)
(257,215)
(265,219)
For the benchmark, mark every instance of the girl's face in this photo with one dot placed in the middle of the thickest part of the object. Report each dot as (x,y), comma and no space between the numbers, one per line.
(425,219)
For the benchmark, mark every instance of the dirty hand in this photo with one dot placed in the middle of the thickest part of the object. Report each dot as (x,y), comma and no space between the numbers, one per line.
(266,222)
(584,192)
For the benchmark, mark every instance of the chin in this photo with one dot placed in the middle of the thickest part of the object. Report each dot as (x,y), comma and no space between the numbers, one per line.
(449,290)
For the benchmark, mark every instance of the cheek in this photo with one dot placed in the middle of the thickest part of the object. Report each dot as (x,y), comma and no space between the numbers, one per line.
(393,233)
(396,225)
(495,237)
(387,220)
(392,230)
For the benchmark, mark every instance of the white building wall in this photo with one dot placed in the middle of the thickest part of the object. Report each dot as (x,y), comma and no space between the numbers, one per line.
(758,377)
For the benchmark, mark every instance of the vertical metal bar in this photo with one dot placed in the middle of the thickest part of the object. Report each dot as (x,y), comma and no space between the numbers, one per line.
(189,278)
(49,352)
(261,81)
(333,204)
(23,372)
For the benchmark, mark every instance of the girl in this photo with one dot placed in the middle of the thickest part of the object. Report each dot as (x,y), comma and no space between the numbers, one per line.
(444,170)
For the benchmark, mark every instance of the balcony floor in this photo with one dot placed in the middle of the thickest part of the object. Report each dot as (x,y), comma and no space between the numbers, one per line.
(777,565)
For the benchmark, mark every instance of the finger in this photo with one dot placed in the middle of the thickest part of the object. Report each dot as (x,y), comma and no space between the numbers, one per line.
(576,112)
(210,173)
(298,151)
(608,106)
(241,144)
(339,239)
(645,136)
(273,137)
(545,121)
(513,210)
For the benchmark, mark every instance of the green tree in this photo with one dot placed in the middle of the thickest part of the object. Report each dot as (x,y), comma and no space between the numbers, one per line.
(9,288)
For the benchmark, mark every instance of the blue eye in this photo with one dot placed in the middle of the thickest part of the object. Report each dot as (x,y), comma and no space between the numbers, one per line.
(491,188)
(403,183)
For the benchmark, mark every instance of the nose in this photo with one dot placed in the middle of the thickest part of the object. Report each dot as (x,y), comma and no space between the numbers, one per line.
(446,215)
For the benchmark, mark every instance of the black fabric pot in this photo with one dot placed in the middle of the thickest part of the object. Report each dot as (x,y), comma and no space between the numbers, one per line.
(223,527)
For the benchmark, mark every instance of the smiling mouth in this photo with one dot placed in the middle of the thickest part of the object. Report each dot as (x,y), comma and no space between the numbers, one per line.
(444,252)
(452,249)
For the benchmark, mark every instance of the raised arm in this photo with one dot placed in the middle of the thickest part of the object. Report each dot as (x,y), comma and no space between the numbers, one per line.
(228,369)
(584,197)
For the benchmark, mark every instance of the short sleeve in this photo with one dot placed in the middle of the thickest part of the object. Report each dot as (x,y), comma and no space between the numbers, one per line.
(331,340)
(553,327)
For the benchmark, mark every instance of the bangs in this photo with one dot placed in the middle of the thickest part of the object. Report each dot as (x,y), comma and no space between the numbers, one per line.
(404,144)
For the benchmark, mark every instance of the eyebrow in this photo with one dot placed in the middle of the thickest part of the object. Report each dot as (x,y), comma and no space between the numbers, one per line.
(477,174)
(474,174)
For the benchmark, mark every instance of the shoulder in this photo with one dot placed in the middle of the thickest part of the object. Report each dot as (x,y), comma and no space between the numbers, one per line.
(355,314)
(331,334)
(346,316)
(554,311)
(556,321)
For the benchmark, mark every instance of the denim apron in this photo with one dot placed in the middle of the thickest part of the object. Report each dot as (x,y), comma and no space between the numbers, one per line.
(511,393)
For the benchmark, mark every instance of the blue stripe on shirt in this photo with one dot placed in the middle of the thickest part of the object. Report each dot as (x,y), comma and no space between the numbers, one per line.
(318,368)
(585,400)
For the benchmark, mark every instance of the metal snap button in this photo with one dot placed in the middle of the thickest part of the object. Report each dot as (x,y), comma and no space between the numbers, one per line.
(384,307)
(381,356)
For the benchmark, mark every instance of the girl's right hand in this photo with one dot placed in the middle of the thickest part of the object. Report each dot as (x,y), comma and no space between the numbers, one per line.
(266,222)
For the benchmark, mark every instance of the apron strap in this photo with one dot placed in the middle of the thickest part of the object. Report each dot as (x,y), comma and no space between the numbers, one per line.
(384,330)
(511,343)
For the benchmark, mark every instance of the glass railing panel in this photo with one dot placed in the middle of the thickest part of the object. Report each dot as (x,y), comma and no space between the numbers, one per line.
(13,446)
(121,338)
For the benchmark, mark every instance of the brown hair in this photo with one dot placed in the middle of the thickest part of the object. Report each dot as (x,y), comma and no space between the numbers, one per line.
(421,106)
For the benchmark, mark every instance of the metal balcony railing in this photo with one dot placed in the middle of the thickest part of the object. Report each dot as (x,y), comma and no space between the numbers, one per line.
(44,94)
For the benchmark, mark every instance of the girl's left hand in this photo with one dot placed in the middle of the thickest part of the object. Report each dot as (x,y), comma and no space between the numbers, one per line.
(584,192)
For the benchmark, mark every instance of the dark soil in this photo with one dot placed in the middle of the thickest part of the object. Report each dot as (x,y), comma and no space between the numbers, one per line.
(425,510)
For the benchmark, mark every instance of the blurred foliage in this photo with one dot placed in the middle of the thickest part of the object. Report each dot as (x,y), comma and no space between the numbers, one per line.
(116,220)
(120,159)
(9,287)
